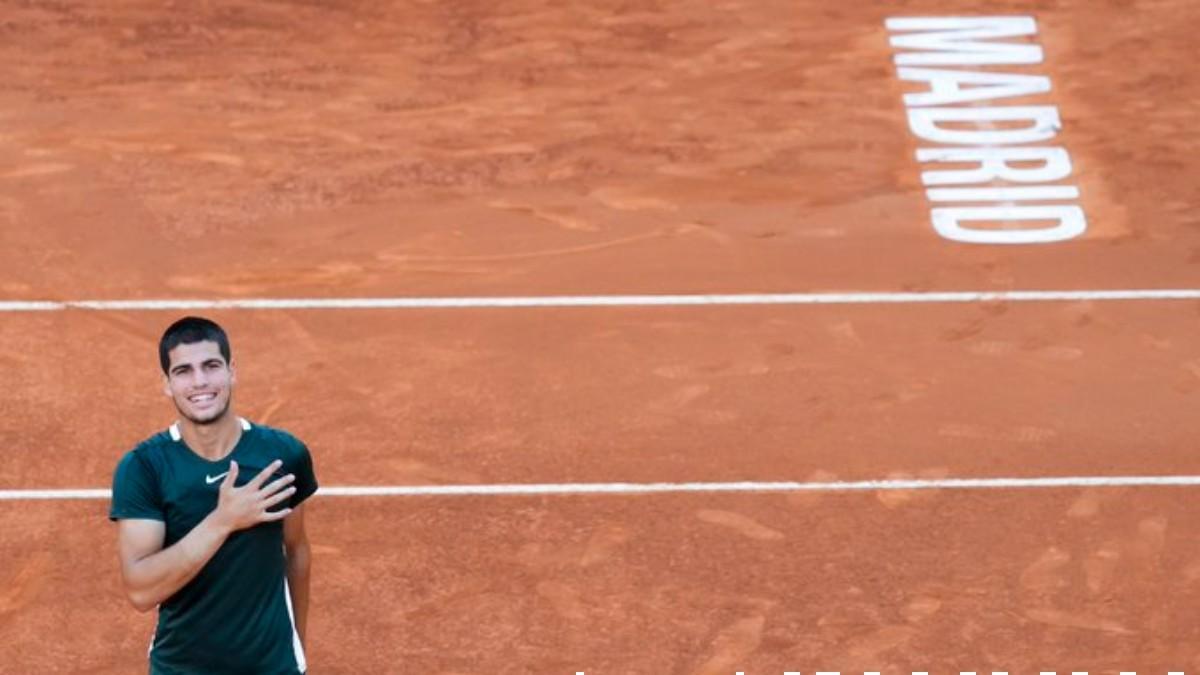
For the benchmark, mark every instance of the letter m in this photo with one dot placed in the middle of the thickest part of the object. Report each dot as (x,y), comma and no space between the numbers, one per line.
(964,41)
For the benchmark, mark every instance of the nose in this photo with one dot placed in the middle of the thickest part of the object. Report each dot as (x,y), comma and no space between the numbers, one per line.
(199,379)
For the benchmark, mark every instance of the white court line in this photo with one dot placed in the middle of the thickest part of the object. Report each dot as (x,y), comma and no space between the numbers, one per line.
(661,488)
(603,300)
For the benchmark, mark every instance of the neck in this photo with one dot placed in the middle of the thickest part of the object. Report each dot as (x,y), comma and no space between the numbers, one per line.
(212,441)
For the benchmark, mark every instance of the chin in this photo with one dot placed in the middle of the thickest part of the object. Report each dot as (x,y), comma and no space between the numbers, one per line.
(203,421)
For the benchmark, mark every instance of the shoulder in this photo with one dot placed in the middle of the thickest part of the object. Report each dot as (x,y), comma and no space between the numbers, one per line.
(297,461)
(137,485)
(148,454)
(280,440)
(280,444)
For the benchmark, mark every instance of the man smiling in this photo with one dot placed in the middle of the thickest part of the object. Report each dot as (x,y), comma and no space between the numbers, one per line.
(211,525)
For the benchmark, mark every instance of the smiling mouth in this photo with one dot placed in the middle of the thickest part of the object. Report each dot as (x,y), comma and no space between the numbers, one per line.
(202,398)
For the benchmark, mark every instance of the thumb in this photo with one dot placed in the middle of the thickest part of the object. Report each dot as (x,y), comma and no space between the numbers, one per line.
(231,477)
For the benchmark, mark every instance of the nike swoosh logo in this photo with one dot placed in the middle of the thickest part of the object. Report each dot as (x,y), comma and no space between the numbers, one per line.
(212,479)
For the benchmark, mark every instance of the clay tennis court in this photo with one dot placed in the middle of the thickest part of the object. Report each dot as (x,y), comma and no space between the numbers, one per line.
(617,153)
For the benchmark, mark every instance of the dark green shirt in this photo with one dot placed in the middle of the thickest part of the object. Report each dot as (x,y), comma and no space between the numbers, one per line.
(235,616)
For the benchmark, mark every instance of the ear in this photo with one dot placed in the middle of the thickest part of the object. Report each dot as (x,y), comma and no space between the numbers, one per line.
(166,386)
(232,371)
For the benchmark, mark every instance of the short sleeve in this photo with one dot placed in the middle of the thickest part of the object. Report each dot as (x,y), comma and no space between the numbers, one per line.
(306,478)
(135,493)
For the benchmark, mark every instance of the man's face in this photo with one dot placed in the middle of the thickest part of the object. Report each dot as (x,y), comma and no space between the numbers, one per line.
(199,381)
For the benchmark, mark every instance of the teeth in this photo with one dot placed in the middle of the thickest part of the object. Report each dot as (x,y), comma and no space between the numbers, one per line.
(202,397)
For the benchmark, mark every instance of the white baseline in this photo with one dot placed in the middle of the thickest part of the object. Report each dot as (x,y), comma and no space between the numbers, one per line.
(829,298)
(572,489)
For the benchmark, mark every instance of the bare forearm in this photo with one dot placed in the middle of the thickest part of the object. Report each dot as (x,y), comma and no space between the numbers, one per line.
(157,577)
(298,568)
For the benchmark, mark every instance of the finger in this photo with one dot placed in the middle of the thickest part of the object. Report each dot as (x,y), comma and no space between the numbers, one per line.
(265,474)
(230,477)
(278,497)
(275,485)
(269,516)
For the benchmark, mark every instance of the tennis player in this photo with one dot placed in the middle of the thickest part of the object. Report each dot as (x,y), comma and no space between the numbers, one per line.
(211,523)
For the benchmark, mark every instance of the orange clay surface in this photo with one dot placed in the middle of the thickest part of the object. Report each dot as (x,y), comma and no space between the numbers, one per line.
(231,149)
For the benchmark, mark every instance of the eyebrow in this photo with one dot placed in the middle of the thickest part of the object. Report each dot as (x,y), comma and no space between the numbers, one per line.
(179,368)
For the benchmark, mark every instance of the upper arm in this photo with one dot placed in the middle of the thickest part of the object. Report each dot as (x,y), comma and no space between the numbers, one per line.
(305,483)
(137,508)
(294,534)
(137,539)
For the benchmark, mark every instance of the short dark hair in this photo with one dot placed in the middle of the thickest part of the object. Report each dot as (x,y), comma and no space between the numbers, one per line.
(189,330)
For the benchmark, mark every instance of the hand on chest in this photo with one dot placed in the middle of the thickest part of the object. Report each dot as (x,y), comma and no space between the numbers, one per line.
(194,490)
